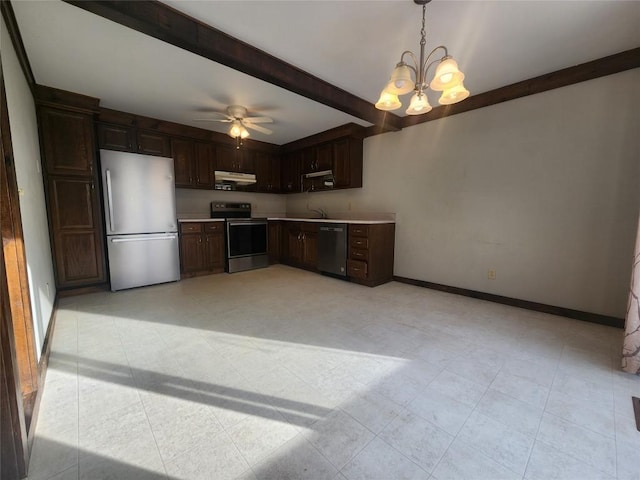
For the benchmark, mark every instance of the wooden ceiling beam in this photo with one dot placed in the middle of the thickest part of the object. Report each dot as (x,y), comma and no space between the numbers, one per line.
(169,25)
(601,67)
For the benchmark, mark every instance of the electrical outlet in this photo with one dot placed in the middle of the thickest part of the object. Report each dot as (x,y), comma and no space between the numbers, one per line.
(491,275)
(48,291)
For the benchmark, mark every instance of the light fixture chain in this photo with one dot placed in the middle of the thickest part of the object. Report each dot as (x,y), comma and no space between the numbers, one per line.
(423,34)
(420,77)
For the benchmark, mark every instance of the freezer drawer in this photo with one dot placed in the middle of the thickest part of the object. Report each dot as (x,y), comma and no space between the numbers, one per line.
(137,260)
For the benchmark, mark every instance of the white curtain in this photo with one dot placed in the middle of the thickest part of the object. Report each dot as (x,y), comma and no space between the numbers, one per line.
(631,346)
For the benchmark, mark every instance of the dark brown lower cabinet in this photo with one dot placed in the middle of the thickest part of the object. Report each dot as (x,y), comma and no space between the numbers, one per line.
(300,244)
(74,211)
(201,248)
(370,253)
(274,241)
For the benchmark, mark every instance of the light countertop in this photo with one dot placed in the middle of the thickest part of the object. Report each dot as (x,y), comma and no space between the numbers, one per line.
(184,220)
(295,219)
(330,220)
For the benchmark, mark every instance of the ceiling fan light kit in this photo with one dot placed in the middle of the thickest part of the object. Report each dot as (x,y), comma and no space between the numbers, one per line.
(236,115)
(447,79)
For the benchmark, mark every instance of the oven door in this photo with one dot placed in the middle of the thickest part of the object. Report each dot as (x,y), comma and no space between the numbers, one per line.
(246,245)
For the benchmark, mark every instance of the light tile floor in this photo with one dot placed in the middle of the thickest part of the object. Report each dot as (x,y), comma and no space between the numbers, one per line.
(280,373)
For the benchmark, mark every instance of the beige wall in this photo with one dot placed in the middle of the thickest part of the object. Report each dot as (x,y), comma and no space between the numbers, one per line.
(26,150)
(544,189)
(196,202)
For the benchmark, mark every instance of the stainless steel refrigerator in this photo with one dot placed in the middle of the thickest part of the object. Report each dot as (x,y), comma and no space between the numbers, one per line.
(140,219)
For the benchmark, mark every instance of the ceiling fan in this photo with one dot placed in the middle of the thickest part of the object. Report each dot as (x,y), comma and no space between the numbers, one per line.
(236,115)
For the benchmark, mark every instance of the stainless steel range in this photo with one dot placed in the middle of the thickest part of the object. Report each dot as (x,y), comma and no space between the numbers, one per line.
(246,237)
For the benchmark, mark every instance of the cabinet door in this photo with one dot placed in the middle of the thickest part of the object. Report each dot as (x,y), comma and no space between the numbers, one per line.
(274,174)
(152,143)
(308,160)
(191,253)
(76,231)
(116,137)
(274,241)
(245,160)
(324,157)
(310,249)
(293,253)
(67,140)
(214,251)
(205,157)
(290,172)
(225,158)
(183,162)
(267,167)
(341,163)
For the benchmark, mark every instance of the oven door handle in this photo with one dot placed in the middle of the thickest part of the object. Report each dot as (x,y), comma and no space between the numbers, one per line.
(246,222)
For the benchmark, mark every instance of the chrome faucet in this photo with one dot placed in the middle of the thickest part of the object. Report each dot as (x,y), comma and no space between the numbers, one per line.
(319,211)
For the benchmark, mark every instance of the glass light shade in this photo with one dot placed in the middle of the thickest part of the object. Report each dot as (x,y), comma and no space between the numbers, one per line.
(447,75)
(419,105)
(454,95)
(244,133)
(235,130)
(388,101)
(400,82)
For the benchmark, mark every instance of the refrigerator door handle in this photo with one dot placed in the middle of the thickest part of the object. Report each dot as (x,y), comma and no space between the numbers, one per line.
(143,239)
(110,200)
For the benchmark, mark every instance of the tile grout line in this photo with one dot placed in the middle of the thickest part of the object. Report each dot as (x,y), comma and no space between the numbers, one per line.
(544,409)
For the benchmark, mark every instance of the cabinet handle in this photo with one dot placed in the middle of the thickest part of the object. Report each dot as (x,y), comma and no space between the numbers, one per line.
(200,240)
(110,200)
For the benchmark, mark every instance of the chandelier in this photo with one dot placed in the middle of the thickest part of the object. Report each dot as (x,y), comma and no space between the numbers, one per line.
(447,79)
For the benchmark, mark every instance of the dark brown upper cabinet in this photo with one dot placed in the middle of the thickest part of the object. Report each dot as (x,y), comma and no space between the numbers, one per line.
(343,157)
(267,172)
(116,137)
(194,163)
(232,159)
(291,169)
(183,162)
(132,139)
(67,141)
(205,164)
(152,143)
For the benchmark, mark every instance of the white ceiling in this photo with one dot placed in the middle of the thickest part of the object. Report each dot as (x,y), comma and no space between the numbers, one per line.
(351,44)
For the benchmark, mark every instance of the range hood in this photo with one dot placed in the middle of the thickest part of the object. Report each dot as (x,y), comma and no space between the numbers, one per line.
(323,173)
(235,178)
(322,179)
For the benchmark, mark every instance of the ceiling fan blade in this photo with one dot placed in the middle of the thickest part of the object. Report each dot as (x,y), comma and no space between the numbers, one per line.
(258,119)
(223,120)
(258,128)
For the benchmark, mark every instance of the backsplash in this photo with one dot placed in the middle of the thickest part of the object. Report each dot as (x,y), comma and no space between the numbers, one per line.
(196,203)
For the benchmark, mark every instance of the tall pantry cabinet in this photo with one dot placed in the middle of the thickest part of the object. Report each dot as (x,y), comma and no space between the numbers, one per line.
(72,190)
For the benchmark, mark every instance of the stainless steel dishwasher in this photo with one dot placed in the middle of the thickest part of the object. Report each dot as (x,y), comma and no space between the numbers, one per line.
(332,248)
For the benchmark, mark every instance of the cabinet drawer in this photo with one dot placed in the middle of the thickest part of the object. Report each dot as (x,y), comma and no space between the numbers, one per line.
(359,242)
(214,227)
(357,254)
(190,227)
(359,230)
(356,269)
